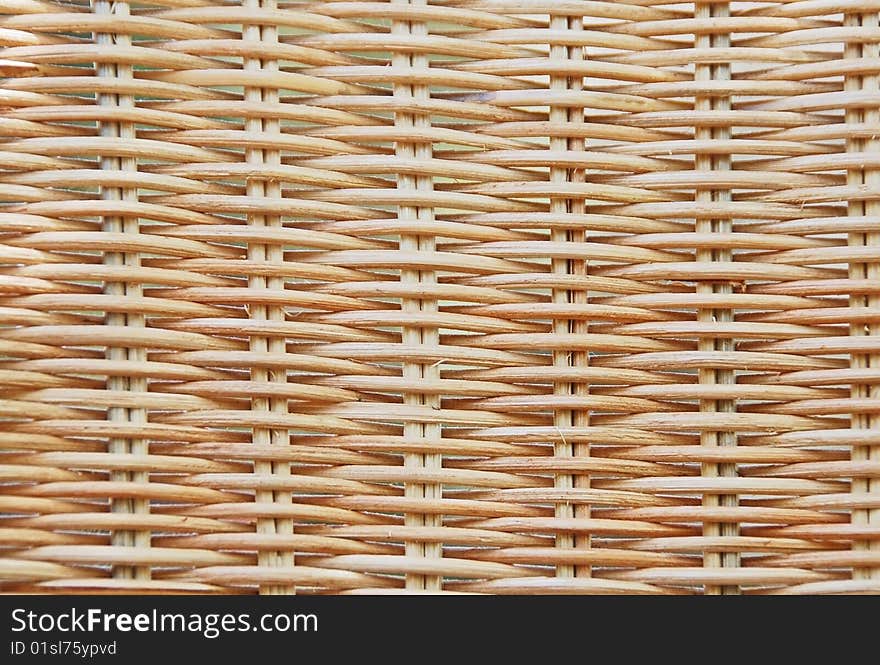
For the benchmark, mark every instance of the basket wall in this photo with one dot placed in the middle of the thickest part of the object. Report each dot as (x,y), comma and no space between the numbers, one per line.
(495,296)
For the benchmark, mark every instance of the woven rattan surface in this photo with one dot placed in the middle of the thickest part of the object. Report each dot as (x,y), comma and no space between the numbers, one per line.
(526,296)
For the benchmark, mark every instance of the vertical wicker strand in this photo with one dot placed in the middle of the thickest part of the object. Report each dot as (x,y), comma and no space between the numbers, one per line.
(871,84)
(414,335)
(275,255)
(708,376)
(864,517)
(127,225)
(563,418)
(580,417)
(430,335)
(270,254)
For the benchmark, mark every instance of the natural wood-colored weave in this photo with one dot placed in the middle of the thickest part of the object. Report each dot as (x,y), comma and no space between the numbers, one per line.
(494,296)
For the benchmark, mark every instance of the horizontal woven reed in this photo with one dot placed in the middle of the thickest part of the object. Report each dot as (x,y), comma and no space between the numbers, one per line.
(440,296)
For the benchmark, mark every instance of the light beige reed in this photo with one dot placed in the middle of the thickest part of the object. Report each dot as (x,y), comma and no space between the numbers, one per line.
(526,296)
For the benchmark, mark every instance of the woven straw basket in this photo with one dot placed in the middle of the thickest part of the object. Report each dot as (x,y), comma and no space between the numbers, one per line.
(440,296)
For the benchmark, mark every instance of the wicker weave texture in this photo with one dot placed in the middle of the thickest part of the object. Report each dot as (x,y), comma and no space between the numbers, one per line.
(419,296)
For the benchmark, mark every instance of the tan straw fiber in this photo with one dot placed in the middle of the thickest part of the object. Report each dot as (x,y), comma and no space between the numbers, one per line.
(440,296)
